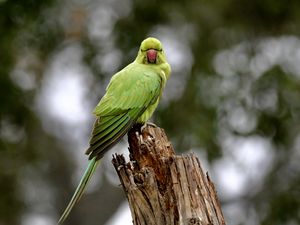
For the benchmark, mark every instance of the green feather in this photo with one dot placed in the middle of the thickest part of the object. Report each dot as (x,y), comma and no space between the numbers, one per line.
(80,188)
(131,97)
(97,142)
(101,142)
(103,132)
(98,154)
(105,122)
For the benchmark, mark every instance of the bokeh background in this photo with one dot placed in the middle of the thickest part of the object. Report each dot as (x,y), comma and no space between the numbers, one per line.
(233,99)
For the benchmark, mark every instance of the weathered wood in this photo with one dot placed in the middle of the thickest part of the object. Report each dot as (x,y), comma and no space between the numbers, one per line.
(162,188)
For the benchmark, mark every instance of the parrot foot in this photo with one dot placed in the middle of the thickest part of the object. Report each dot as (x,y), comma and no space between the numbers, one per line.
(142,133)
(147,124)
(146,133)
(150,124)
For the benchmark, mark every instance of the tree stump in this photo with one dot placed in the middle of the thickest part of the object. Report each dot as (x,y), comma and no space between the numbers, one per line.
(163,188)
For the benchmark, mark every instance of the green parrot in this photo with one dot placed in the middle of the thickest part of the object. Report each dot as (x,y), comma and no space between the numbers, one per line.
(131,97)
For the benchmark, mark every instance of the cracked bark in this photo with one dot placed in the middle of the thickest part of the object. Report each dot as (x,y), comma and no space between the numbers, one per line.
(163,188)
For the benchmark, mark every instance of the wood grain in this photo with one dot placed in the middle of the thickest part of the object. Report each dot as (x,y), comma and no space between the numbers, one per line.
(163,188)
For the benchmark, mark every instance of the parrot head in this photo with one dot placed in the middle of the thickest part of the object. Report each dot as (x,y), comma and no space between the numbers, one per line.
(151,52)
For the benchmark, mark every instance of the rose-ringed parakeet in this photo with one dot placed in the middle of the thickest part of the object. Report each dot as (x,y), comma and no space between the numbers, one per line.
(131,98)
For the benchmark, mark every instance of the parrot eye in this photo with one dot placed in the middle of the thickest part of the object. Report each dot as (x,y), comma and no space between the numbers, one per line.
(159,50)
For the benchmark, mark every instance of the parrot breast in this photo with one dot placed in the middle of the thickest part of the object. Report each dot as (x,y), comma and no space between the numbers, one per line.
(148,113)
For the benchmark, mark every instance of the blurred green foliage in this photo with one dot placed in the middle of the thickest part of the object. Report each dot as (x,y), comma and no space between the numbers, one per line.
(195,119)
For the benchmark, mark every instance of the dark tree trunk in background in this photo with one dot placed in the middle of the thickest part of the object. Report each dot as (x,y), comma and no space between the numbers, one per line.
(163,188)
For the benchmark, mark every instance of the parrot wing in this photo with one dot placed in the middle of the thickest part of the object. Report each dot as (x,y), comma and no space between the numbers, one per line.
(128,95)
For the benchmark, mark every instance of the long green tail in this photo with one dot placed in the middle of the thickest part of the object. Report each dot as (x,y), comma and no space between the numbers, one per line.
(80,188)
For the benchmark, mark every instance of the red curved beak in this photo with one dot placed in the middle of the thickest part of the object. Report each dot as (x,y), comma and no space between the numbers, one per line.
(151,55)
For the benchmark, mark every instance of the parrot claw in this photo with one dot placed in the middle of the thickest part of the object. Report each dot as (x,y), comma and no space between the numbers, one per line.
(150,124)
(146,125)
(147,132)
